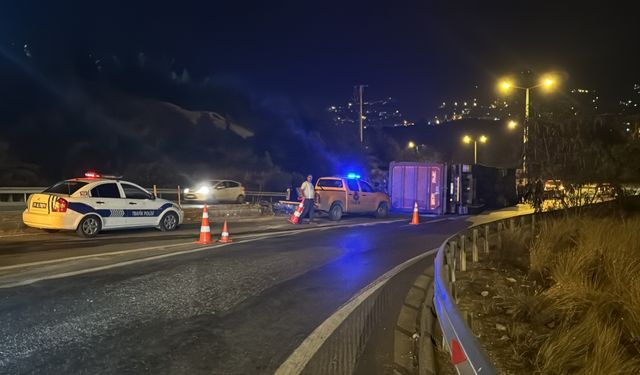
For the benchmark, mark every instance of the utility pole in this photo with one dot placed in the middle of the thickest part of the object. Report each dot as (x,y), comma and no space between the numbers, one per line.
(360,91)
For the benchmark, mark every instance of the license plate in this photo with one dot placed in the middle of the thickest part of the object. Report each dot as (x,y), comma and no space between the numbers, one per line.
(39,205)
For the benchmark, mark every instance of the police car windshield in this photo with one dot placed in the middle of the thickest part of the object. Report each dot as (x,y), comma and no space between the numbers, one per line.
(65,187)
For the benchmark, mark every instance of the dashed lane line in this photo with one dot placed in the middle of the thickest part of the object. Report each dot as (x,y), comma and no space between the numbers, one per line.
(161,256)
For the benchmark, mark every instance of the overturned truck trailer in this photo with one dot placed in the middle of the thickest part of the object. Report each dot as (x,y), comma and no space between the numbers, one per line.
(458,188)
(423,183)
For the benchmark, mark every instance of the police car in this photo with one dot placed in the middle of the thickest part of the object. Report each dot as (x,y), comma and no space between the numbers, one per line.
(94,203)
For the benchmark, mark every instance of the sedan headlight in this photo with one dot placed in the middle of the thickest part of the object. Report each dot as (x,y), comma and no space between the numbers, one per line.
(203,190)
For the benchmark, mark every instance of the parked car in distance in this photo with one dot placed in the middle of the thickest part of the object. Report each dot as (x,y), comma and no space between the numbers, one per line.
(215,191)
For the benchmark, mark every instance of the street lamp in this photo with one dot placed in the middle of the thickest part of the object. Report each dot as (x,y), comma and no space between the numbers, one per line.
(411,144)
(482,139)
(512,124)
(547,82)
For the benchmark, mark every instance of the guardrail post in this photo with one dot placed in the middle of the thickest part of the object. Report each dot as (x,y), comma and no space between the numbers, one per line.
(533,226)
(25,197)
(486,238)
(474,246)
(463,254)
(499,235)
(522,221)
(452,257)
(179,196)
(512,224)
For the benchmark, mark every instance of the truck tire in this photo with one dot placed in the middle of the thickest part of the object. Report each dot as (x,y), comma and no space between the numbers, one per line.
(335,212)
(382,211)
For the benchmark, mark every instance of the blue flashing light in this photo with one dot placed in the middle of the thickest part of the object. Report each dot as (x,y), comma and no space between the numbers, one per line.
(353,176)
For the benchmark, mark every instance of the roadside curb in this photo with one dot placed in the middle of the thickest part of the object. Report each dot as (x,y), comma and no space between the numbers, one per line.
(427,327)
(414,352)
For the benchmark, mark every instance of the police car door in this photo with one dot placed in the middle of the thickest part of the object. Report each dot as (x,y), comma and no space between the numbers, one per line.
(109,204)
(141,211)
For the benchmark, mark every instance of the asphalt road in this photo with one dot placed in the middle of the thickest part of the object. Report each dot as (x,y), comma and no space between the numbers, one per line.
(237,309)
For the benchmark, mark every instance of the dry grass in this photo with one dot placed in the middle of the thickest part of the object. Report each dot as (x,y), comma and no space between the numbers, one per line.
(590,271)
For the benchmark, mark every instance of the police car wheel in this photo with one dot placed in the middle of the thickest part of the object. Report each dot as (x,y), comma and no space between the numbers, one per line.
(89,226)
(169,222)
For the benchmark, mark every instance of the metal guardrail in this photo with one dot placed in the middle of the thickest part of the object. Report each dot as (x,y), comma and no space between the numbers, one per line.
(467,354)
(18,195)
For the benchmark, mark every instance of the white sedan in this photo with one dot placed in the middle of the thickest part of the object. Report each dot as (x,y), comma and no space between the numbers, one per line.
(216,191)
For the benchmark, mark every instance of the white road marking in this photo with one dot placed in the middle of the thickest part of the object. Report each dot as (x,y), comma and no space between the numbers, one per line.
(52,261)
(431,221)
(160,247)
(161,256)
(298,360)
(22,234)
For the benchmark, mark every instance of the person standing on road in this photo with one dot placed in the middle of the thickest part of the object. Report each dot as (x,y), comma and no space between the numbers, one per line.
(308,193)
(538,195)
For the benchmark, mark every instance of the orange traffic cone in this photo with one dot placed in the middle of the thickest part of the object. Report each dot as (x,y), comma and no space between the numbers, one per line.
(296,214)
(205,230)
(224,237)
(416,218)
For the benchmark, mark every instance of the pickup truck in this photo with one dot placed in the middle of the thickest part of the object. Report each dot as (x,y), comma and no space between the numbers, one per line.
(342,195)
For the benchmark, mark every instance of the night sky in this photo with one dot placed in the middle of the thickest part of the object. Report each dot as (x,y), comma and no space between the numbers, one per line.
(419,52)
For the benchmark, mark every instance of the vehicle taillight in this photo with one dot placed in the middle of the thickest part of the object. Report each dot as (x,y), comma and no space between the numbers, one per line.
(60,205)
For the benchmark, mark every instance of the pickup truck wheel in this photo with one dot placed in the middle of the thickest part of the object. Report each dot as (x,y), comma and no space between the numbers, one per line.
(382,211)
(335,213)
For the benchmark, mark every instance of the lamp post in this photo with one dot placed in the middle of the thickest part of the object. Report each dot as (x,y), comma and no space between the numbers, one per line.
(482,139)
(506,86)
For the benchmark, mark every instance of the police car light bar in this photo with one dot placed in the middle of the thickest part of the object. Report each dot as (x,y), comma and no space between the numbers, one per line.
(92,174)
(353,176)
